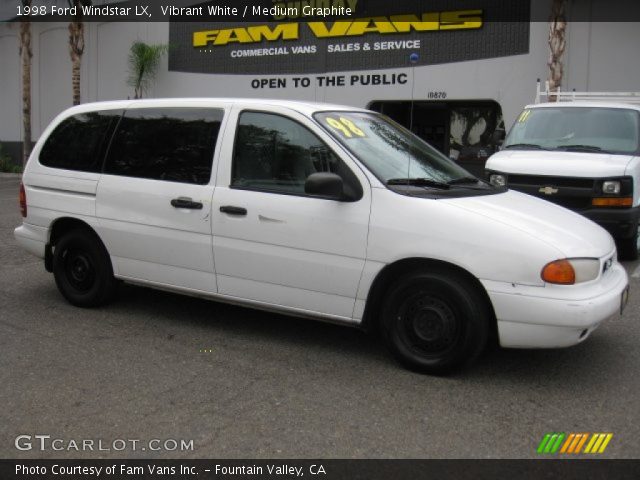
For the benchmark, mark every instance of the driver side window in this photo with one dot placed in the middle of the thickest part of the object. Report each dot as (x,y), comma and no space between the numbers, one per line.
(276,154)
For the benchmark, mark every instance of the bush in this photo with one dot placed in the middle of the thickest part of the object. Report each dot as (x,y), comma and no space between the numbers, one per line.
(5,163)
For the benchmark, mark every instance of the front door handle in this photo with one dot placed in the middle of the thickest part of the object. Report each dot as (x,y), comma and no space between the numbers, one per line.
(231,210)
(186,202)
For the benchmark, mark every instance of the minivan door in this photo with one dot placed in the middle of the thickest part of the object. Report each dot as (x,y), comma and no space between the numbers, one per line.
(154,197)
(274,244)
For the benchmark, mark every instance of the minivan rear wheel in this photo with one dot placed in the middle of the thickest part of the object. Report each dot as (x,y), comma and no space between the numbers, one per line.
(82,269)
(435,322)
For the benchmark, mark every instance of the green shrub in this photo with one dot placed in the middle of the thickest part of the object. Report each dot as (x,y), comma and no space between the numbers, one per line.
(5,163)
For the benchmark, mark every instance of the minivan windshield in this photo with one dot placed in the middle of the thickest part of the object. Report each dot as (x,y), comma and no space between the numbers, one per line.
(582,129)
(392,153)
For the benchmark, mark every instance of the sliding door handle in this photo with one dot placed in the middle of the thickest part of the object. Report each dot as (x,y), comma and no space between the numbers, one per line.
(231,210)
(186,202)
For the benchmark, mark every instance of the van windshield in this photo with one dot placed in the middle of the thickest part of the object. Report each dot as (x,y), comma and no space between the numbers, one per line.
(583,129)
(391,152)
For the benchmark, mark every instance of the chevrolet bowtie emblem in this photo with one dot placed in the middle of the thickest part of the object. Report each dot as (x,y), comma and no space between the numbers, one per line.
(548,190)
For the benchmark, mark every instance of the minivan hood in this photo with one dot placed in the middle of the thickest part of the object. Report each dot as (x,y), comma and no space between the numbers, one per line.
(570,233)
(559,163)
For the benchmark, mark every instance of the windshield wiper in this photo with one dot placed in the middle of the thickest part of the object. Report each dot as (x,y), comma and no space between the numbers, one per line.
(463,181)
(525,145)
(579,148)
(418,182)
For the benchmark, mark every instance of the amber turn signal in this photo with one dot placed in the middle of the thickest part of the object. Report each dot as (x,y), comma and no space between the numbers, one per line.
(560,272)
(612,202)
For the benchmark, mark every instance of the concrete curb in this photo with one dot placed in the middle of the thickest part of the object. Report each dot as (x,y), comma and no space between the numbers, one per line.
(10,175)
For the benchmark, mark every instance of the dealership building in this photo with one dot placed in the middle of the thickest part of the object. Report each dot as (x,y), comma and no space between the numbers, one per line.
(453,72)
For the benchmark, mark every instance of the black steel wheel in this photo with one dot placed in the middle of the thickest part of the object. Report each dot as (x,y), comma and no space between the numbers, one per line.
(82,269)
(435,322)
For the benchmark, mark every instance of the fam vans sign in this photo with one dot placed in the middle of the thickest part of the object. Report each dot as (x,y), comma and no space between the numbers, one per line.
(366,38)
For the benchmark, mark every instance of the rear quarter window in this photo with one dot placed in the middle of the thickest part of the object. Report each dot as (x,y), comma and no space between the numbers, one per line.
(79,142)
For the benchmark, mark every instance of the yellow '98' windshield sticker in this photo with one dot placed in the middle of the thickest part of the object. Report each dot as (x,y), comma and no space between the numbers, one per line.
(345,127)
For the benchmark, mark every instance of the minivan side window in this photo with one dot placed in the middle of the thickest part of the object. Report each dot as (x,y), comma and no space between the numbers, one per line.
(276,154)
(79,142)
(170,144)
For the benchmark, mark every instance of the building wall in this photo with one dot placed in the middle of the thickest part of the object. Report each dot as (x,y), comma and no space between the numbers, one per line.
(104,73)
(599,56)
(10,85)
(602,56)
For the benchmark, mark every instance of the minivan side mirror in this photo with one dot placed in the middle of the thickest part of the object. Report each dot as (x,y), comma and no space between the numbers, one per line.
(498,136)
(325,185)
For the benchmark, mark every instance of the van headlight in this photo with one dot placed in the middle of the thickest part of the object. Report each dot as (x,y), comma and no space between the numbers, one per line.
(614,192)
(611,187)
(498,180)
(569,271)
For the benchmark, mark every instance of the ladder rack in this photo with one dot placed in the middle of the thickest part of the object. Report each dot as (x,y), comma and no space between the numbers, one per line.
(624,97)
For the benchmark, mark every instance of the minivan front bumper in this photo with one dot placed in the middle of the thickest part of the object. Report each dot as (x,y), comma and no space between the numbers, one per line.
(556,316)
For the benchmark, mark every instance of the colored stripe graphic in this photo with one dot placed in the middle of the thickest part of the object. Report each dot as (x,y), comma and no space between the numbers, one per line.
(573,443)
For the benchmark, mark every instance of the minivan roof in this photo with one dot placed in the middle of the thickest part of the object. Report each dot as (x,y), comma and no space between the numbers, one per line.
(304,107)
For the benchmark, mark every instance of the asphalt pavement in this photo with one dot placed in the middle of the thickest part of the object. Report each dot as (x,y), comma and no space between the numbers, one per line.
(236,383)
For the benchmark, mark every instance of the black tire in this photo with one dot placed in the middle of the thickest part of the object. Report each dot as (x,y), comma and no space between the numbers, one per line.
(82,269)
(628,247)
(435,322)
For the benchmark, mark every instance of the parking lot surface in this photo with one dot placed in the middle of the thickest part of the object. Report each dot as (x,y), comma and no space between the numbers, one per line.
(240,383)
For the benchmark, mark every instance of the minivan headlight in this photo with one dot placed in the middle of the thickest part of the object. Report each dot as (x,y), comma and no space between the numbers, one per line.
(498,180)
(569,271)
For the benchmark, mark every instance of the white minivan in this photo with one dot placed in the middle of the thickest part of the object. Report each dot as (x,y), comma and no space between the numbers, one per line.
(313,210)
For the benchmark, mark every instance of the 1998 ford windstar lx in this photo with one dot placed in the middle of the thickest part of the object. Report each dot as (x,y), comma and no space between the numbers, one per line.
(313,210)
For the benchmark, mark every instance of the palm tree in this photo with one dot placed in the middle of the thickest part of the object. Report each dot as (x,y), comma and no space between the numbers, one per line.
(143,66)
(557,43)
(76,46)
(26,54)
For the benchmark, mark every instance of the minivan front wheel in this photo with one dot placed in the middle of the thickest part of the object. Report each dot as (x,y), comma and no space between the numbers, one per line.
(82,269)
(435,322)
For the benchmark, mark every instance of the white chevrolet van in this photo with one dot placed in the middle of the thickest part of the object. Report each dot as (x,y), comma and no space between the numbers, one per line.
(313,210)
(583,154)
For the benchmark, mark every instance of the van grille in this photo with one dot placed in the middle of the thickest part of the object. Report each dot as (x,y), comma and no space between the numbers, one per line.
(568,192)
(555,181)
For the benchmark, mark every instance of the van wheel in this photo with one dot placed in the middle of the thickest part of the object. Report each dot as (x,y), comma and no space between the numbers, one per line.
(82,269)
(628,247)
(435,322)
